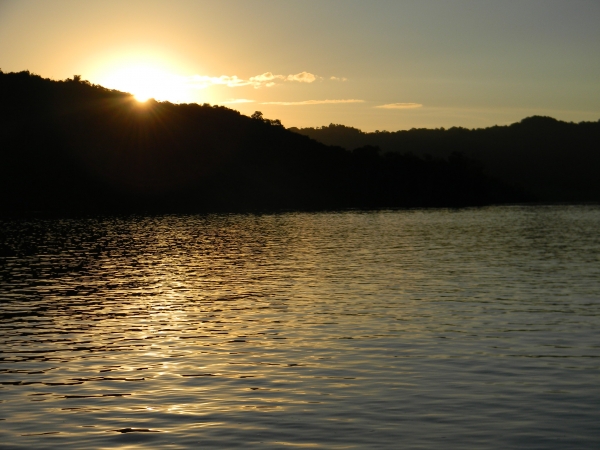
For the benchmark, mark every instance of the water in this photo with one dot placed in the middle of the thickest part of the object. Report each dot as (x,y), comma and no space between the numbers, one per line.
(398,329)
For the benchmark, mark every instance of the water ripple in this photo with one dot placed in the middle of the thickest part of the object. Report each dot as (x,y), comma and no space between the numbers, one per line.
(476,328)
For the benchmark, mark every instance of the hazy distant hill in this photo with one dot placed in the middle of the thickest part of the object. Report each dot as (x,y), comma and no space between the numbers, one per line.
(554,160)
(70,146)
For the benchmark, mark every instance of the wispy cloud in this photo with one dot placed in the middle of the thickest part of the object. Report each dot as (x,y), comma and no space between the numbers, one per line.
(302,77)
(400,106)
(266,79)
(238,100)
(338,78)
(314,102)
(204,81)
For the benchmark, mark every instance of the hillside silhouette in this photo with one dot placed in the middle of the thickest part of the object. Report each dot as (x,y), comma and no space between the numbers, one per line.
(73,147)
(551,160)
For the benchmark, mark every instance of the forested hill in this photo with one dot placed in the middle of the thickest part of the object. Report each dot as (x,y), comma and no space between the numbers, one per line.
(553,160)
(73,147)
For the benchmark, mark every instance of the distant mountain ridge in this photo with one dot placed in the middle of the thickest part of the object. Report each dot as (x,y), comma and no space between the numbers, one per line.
(551,159)
(71,147)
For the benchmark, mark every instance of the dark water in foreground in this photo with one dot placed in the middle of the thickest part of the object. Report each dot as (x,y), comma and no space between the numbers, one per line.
(415,329)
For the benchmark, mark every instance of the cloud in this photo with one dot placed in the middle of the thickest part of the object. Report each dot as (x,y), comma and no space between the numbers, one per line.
(238,100)
(267,79)
(314,102)
(302,77)
(338,78)
(400,106)
(203,81)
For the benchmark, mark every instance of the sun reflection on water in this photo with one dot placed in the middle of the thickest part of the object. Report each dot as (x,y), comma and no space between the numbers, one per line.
(251,330)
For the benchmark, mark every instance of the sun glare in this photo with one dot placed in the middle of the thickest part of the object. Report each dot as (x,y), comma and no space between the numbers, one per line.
(145,82)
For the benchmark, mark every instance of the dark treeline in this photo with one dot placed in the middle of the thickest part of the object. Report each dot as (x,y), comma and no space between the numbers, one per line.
(73,147)
(551,160)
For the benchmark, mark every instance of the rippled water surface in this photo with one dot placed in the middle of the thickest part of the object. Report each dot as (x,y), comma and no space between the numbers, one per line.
(399,329)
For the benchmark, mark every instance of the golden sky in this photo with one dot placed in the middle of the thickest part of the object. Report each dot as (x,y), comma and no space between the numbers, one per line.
(373,65)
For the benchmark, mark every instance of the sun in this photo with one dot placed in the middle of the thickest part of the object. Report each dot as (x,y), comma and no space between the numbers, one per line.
(147,81)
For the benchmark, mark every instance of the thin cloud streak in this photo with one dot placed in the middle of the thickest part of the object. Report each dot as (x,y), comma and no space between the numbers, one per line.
(238,100)
(314,102)
(400,106)
(204,81)
(267,79)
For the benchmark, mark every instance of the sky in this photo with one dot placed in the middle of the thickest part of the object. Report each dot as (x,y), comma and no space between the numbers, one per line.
(373,65)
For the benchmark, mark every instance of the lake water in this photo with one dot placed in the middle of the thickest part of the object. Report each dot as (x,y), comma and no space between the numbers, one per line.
(471,329)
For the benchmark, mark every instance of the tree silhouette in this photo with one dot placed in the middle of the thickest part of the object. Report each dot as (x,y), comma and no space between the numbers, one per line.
(72,147)
(552,160)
